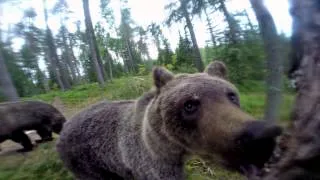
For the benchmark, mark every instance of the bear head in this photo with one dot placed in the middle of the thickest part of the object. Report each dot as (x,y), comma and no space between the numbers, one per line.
(201,113)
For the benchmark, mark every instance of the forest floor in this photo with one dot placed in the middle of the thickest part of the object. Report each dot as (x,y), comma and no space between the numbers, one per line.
(43,162)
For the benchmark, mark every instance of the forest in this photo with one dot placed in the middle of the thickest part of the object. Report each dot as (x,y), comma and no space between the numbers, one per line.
(103,51)
(76,67)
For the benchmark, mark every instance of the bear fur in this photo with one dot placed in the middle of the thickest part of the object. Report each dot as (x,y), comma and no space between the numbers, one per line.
(19,116)
(152,137)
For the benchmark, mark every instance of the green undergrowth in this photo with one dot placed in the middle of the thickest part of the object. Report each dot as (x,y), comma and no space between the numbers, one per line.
(122,88)
(43,163)
(40,164)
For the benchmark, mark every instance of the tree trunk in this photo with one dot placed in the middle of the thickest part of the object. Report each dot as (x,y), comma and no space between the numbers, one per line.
(131,64)
(68,55)
(60,73)
(213,39)
(65,73)
(109,59)
(92,43)
(231,22)
(302,158)
(7,88)
(274,61)
(103,70)
(74,59)
(55,69)
(197,59)
(52,55)
(157,42)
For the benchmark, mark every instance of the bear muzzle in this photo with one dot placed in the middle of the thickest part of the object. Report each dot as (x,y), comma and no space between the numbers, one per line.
(253,146)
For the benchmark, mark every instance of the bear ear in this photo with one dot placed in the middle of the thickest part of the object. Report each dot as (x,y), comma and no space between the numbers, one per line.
(161,76)
(217,68)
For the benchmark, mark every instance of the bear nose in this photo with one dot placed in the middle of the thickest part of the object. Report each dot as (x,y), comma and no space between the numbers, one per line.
(257,142)
(259,130)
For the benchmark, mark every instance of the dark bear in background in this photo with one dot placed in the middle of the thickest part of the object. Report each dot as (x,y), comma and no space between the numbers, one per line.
(17,117)
(151,137)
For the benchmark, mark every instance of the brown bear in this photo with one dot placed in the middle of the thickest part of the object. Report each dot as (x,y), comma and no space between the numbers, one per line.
(151,137)
(19,116)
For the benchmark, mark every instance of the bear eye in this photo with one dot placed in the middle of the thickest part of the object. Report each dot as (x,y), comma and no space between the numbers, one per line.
(233,98)
(191,106)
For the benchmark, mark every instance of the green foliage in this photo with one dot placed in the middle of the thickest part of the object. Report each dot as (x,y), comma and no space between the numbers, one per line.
(185,68)
(142,70)
(121,88)
(245,60)
(165,54)
(86,60)
(22,79)
(107,12)
(184,53)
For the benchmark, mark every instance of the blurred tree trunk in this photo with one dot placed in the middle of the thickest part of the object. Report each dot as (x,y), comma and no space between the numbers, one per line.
(210,28)
(274,62)
(109,60)
(93,44)
(52,55)
(6,85)
(302,158)
(68,56)
(197,59)
(54,69)
(74,59)
(64,71)
(131,64)
(230,20)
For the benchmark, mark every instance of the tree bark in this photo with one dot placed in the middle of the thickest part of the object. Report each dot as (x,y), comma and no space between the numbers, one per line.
(7,88)
(197,59)
(274,61)
(92,43)
(302,159)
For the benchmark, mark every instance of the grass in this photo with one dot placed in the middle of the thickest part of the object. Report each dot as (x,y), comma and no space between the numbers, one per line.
(43,162)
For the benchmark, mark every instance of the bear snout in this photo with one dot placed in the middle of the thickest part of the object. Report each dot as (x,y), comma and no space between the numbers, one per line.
(258,130)
(255,144)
